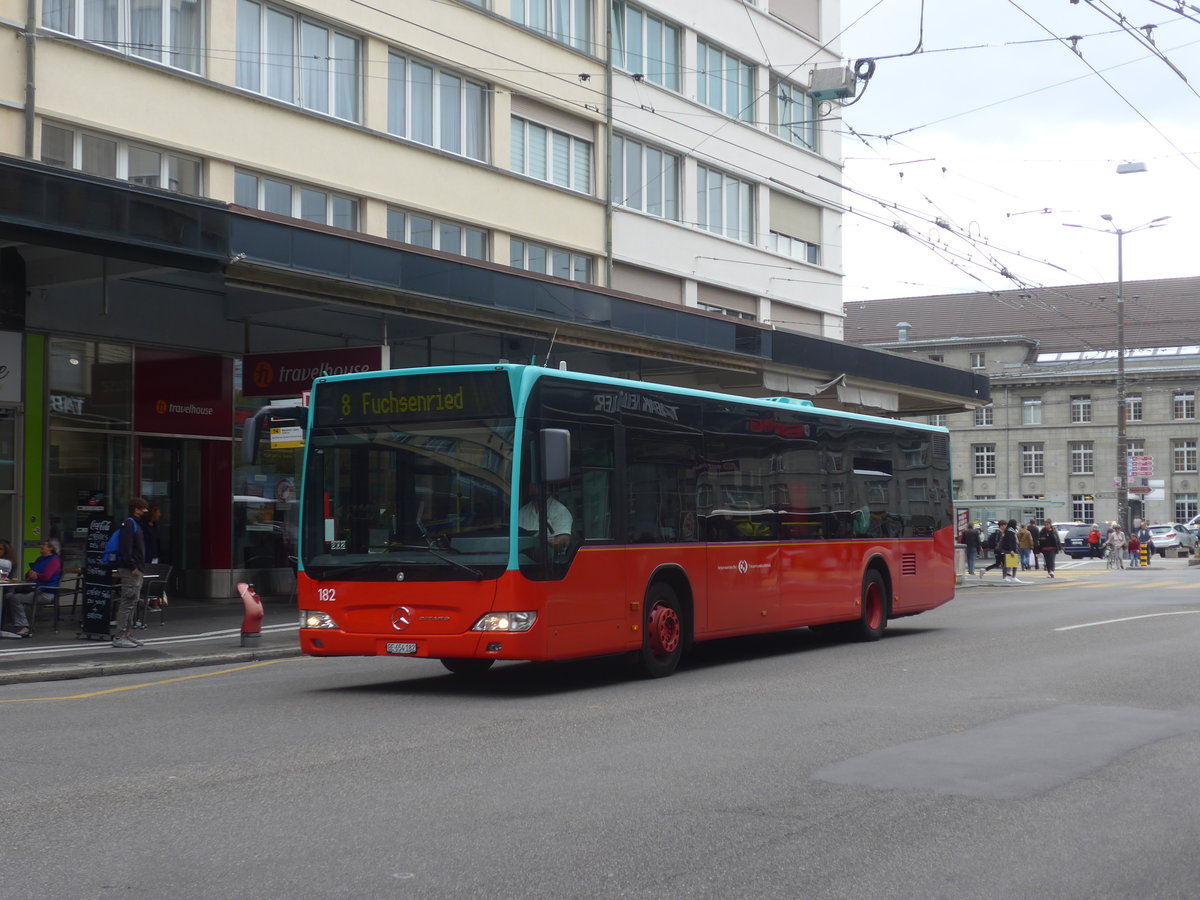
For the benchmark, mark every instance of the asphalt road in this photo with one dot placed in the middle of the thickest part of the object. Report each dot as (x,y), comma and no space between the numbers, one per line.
(1037,741)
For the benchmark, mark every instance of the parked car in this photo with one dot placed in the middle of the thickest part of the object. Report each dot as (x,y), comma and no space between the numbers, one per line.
(1075,541)
(1171,536)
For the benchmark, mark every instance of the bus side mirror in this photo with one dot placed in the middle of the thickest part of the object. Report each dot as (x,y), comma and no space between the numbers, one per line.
(253,427)
(556,454)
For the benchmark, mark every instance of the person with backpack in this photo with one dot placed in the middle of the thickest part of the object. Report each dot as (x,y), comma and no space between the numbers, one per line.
(129,562)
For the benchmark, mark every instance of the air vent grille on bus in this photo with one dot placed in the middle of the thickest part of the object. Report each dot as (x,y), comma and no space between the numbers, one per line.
(908,564)
(941,446)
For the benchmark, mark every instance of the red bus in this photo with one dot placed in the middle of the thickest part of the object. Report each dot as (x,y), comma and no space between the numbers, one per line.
(480,513)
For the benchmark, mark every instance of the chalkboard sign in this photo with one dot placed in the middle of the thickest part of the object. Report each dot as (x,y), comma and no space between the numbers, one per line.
(97,581)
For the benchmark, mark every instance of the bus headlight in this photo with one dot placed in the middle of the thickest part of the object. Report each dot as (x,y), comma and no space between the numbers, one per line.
(311,618)
(506,621)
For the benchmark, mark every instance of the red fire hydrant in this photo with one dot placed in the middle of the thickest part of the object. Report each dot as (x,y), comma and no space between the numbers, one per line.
(252,623)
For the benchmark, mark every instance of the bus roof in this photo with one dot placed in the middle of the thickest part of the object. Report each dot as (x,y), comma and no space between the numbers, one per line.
(525,375)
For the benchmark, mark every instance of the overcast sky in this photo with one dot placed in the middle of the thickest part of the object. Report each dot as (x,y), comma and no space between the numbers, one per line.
(1014,135)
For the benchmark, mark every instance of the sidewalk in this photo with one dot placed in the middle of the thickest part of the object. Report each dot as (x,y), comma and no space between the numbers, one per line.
(1070,568)
(191,633)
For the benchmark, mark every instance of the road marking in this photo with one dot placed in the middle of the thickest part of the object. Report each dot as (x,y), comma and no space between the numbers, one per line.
(136,687)
(1182,612)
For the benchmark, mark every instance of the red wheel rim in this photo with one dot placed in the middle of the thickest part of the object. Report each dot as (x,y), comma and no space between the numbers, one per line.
(664,630)
(873,601)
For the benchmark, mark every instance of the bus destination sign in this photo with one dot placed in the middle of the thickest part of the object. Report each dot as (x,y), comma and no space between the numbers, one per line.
(412,398)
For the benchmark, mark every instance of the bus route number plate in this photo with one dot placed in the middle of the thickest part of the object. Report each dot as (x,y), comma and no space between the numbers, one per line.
(402,649)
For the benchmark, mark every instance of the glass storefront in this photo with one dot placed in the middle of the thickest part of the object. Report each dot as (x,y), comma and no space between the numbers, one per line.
(90,437)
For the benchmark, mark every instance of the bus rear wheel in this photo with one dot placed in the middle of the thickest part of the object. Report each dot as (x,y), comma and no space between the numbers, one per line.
(662,632)
(468,667)
(873,617)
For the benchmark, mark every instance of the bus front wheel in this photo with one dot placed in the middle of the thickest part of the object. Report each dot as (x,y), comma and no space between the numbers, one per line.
(662,632)
(468,666)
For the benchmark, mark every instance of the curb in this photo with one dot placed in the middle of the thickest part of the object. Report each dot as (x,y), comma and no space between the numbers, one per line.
(134,666)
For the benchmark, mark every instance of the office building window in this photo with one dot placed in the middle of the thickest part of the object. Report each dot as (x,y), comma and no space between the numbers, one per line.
(549,261)
(724,82)
(1081,409)
(724,204)
(298,60)
(548,155)
(978,359)
(1083,508)
(985,459)
(300,201)
(1031,410)
(1081,458)
(983,415)
(726,311)
(112,157)
(1186,507)
(436,234)
(644,44)
(794,115)
(939,420)
(1033,459)
(1133,408)
(437,107)
(645,178)
(566,21)
(1184,406)
(163,31)
(1183,455)
(796,248)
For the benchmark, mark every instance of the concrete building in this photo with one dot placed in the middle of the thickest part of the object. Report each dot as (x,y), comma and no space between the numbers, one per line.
(1049,438)
(204,201)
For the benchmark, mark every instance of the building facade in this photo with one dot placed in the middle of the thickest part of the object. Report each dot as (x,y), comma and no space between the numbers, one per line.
(1047,443)
(203,202)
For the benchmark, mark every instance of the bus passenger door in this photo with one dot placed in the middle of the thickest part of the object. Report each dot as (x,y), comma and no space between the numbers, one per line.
(743,569)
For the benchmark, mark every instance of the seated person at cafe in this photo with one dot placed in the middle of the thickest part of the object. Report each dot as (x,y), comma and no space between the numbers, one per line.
(45,573)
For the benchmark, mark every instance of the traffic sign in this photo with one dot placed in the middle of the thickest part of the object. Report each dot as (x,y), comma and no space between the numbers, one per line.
(1140,489)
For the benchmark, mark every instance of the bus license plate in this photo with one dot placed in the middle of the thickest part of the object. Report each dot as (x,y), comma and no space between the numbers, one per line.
(402,649)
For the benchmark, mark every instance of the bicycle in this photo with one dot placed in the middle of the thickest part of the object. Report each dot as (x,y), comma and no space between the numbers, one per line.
(1110,557)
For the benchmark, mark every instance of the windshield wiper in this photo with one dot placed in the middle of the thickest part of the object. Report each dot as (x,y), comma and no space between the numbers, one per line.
(446,559)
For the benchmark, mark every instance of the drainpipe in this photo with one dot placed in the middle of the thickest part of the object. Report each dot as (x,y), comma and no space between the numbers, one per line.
(608,147)
(30,75)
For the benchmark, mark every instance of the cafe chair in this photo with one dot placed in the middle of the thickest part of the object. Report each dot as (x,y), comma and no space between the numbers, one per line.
(70,585)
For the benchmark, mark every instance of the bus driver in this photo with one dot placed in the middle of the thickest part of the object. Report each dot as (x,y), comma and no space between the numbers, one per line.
(558,517)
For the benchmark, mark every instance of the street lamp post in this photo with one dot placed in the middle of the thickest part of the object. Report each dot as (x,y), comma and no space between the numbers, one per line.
(1122,479)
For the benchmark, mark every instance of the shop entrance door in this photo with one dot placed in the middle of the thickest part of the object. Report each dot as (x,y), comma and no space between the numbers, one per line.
(170,479)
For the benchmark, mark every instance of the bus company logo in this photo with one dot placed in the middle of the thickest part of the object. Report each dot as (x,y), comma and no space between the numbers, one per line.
(161,407)
(264,374)
(743,567)
(402,617)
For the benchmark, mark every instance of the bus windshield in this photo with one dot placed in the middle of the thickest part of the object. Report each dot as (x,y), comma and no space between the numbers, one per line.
(428,501)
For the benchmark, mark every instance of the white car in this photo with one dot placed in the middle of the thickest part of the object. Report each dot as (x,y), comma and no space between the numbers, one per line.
(1171,536)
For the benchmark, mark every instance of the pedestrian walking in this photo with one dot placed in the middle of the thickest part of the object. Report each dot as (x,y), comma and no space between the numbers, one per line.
(1049,545)
(1025,544)
(996,540)
(971,540)
(130,563)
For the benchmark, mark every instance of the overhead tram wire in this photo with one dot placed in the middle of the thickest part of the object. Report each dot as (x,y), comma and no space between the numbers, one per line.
(1112,88)
(1143,39)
